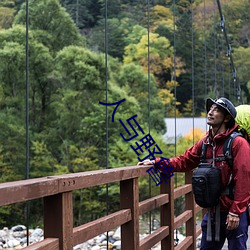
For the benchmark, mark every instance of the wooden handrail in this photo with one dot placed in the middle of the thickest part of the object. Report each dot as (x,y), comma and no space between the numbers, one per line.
(91,229)
(58,209)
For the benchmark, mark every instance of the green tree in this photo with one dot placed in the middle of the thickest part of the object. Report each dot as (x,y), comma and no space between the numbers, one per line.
(7,12)
(53,25)
(135,82)
(241,56)
(84,13)
(161,57)
(6,17)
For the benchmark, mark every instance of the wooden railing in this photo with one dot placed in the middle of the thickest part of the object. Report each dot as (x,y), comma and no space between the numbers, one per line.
(59,233)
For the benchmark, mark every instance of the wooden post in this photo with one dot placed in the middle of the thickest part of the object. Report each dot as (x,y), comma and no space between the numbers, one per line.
(129,197)
(58,219)
(167,214)
(190,205)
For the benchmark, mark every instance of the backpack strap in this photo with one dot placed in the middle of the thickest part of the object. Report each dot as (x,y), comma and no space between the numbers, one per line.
(203,152)
(227,148)
(227,151)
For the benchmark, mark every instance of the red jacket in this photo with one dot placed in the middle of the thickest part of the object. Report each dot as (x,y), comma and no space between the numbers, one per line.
(241,167)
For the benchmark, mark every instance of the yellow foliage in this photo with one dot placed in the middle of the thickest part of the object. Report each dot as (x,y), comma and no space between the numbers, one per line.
(179,66)
(172,84)
(6,17)
(160,53)
(203,114)
(161,15)
(196,134)
(189,139)
(188,109)
(166,96)
(174,112)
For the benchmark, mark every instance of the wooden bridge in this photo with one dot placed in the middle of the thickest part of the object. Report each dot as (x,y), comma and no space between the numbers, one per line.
(59,233)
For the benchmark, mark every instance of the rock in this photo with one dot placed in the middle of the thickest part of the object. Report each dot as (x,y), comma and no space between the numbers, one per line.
(13,243)
(103,243)
(156,248)
(18,234)
(38,232)
(111,239)
(100,238)
(81,246)
(18,247)
(117,244)
(91,242)
(111,233)
(18,228)
(23,240)
(13,240)
(117,235)
(3,233)
(95,248)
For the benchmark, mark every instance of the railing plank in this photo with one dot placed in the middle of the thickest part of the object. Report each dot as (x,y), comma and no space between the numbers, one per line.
(46,244)
(167,214)
(98,177)
(24,190)
(182,218)
(129,197)
(58,219)
(90,230)
(185,244)
(185,189)
(190,205)
(152,203)
(154,238)
(198,208)
(198,231)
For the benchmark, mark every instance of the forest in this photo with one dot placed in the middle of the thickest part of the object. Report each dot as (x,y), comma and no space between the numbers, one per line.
(163,57)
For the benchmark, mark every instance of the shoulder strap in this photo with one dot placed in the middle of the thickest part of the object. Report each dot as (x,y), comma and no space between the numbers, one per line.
(227,148)
(203,152)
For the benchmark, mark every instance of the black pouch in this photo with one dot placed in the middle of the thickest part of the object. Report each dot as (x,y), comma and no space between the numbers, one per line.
(206,183)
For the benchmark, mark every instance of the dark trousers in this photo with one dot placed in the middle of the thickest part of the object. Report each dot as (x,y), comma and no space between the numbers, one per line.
(237,238)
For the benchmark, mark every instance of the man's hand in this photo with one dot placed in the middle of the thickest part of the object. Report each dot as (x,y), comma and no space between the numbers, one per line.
(232,221)
(146,162)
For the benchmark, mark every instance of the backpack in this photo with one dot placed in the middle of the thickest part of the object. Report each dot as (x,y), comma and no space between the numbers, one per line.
(243,120)
(206,179)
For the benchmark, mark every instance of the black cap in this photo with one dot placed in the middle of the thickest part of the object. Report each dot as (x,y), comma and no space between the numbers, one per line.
(223,103)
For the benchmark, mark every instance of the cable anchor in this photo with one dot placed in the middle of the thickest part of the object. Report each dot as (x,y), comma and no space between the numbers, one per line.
(222,24)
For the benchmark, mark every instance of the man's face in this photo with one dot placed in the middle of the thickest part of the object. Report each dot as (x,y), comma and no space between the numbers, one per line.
(215,116)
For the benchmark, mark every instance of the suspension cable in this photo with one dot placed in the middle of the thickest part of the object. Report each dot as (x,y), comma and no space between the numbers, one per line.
(174,75)
(229,53)
(106,82)
(175,94)
(27,207)
(192,77)
(215,52)
(221,47)
(149,182)
(205,51)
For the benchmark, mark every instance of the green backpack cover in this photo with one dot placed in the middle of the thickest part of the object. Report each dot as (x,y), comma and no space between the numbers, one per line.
(243,119)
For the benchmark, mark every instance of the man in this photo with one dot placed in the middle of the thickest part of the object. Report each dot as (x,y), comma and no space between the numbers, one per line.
(221,115)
